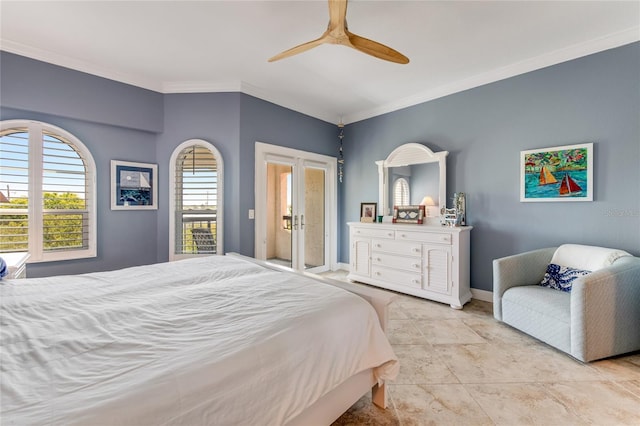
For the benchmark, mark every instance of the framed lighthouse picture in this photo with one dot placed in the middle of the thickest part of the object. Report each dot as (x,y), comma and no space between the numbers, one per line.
(561,173)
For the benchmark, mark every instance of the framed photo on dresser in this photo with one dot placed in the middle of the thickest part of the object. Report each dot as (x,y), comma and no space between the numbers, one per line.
(368,212)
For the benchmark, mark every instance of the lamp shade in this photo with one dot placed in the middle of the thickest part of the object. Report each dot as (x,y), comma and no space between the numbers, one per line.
(427,201)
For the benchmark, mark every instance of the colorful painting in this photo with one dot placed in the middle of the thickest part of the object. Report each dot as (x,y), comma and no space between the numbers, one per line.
(563,173)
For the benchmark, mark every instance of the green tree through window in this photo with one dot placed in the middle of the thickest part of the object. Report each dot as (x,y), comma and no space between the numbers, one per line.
(47,192)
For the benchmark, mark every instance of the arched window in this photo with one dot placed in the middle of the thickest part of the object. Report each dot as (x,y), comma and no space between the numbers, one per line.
(196,198)
(401,192)
(47,192)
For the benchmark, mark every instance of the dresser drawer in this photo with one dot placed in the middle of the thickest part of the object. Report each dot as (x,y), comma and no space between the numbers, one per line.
(425,237)
(413,264)
(409,279)
(403,248)
(373,233)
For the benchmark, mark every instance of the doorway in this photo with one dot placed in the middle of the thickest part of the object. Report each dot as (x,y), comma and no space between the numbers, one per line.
(295,208)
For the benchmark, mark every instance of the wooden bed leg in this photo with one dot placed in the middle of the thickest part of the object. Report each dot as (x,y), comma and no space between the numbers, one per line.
(379,395)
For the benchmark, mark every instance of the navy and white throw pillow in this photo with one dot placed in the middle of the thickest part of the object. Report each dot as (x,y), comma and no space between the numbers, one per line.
(561,277)
(4,271)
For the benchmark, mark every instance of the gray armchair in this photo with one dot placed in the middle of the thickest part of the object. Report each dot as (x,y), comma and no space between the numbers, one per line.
(599,318)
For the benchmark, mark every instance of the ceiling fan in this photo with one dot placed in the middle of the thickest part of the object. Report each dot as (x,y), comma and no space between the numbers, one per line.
(337,33)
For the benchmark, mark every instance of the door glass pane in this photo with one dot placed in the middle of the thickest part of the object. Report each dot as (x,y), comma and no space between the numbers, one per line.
(279,218)
(314,220)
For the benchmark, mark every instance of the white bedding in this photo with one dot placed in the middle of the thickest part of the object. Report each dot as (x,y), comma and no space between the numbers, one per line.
(215,340)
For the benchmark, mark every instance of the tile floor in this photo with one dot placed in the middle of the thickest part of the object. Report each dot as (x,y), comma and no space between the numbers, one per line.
(465,368)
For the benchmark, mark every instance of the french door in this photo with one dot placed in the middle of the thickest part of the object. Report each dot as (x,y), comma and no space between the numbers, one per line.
(295,208)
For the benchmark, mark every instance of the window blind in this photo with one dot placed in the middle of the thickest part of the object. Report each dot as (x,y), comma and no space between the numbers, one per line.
(65,218)
(47,187)
(401,192)
(196,195)
(14,191)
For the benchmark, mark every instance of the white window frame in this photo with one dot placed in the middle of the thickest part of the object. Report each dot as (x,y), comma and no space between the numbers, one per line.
(36,129)
(172,199)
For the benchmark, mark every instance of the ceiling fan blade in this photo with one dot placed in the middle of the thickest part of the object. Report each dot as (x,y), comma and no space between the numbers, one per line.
(299,49)
(337,33)
(337,14)
(376,49)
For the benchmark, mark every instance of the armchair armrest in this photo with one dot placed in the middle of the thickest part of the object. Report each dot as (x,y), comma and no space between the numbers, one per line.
(521,269)
(605,311)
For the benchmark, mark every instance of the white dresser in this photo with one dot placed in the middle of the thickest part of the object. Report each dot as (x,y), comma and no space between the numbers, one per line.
(427,261)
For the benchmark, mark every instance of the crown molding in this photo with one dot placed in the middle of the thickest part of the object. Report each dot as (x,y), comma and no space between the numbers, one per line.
(201,86)
(575,51)
(282,101)
(77,65)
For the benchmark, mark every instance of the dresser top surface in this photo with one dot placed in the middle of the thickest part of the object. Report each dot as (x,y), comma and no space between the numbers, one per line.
(410,227)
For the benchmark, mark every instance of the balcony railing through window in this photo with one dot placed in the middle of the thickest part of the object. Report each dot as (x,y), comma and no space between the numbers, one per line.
(206,243)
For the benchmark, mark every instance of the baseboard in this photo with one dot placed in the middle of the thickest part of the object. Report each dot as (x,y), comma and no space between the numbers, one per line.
(342,267)
(484,295)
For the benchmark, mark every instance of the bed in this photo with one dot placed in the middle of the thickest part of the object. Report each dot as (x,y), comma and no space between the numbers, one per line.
(222,340)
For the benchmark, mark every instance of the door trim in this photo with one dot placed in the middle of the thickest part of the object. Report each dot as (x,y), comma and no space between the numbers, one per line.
(270,153)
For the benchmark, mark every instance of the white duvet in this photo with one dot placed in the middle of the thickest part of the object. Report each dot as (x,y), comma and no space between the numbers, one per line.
(215,341)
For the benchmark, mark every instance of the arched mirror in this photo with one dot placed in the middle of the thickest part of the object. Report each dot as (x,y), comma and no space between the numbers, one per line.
(411,175)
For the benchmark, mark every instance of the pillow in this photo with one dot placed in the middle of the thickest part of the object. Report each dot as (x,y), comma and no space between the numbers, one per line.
(3,268)
(561,277)
(590,258)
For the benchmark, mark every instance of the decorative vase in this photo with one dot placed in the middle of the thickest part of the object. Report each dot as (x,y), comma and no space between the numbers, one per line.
(459,203)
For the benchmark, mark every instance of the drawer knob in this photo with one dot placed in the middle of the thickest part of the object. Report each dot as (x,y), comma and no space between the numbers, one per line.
(378,273)
(378,245)
(415,282)
(415,265)
(390,234)
(403,236)
(378,259)
(416,250)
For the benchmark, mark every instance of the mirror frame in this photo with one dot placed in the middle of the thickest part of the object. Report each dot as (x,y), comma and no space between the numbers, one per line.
(406,155)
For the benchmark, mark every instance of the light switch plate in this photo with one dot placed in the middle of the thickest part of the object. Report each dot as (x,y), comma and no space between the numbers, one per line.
(252,214)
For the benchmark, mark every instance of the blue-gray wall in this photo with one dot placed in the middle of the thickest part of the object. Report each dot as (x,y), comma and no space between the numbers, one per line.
(591,99)
(213,117)
(116,122)
(232,122)
(264,122)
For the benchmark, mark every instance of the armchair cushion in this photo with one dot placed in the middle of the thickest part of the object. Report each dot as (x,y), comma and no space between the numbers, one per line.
(540,312)
(560,277)
(589,258)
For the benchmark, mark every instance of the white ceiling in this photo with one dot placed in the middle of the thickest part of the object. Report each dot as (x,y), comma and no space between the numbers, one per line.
(213,46)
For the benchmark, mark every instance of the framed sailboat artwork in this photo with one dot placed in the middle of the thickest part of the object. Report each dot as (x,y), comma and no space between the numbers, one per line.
(561,173)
